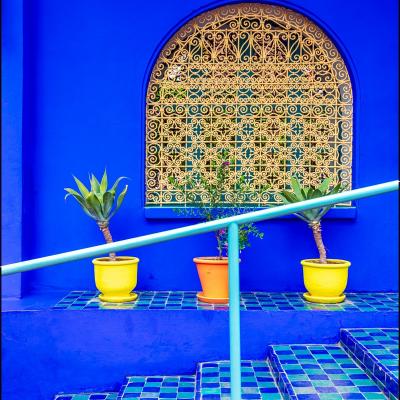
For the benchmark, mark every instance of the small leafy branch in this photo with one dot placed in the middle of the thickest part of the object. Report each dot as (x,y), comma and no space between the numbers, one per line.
(312,217)
(206,199)
(99,202)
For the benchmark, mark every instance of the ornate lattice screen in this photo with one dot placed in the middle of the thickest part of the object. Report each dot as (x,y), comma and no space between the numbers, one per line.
(259,80)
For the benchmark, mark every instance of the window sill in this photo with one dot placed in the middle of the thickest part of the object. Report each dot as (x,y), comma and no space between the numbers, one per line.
(169,212)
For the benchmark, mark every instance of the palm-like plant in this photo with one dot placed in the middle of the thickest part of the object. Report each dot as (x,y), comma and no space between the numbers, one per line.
(312,217)
(99,202)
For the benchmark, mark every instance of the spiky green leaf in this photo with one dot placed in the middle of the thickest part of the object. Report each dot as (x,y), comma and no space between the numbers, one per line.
(120,200)
(82,188)
(324,186)
(310,193)
(337,189)
(316,193)
(297,188)
(104,183)
(94,183)
(289,197)
(108,201)
(81,201)
(323,211)
(114,187)
(94,203)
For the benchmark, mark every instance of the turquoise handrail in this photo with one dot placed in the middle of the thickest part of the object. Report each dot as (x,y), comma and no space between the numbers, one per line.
(232,224)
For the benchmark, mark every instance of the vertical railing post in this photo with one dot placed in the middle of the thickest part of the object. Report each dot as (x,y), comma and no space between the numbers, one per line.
(234,311)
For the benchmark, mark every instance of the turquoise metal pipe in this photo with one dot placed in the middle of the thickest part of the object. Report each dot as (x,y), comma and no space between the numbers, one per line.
(234,311)
(198,228)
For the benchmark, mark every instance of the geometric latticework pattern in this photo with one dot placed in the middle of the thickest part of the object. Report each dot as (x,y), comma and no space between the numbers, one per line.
(258,80)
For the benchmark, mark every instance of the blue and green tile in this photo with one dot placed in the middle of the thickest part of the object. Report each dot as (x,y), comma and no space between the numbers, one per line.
(250,301)
(376,350)
(325,372)
(158,387)
(213,381)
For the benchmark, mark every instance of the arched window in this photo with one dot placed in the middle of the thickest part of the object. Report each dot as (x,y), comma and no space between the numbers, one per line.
(261,81)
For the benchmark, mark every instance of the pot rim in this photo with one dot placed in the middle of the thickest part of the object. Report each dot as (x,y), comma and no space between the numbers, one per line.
(332,263)
(121,260)
(211,260)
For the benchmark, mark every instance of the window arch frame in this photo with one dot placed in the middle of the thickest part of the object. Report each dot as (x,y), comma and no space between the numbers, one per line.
(348,210)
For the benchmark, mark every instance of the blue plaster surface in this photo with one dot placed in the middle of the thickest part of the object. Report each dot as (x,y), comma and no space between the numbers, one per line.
(47,351)
(86,66)
(11,141)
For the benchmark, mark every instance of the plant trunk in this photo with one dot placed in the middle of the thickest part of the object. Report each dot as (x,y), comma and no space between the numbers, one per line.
(316,229)
(219,246)
(107,236)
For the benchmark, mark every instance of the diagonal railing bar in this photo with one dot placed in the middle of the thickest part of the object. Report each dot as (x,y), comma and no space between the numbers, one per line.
(197,229)
(232,223)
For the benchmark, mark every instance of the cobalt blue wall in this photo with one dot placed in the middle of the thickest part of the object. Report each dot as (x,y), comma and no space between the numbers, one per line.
(85,68)
(11,141)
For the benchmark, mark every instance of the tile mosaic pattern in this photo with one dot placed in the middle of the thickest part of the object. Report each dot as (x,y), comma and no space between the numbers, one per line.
(87,396)
(250,301)
(158,387)
(377,352)
(320,372)
(213,381)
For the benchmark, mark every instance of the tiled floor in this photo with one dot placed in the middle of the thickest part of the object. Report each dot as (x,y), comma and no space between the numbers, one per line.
(158,387)
(377,351)
(213,381)
(320,372)
(88,396)
(250,301)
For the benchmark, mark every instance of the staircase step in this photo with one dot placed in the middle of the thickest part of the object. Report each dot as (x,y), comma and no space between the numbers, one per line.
(158,387)
(320,372)
(213,381)
(376,350)
(87,396)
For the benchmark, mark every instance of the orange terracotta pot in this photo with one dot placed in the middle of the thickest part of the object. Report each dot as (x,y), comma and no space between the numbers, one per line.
(213,274)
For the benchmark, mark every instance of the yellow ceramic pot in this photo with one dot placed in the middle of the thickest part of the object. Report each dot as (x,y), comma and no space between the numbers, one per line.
(325,283)
(116,279)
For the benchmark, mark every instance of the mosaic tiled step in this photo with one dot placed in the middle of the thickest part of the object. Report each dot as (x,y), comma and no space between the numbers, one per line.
(87,396)
(158,387)
(320,372)
(213,381)
(250,301)
(377,352)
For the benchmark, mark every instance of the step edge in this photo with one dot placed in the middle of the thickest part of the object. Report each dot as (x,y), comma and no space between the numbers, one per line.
(393,379)
(279,374)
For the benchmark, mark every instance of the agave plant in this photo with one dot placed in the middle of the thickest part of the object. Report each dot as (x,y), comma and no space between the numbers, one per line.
(99,202)
(312,217)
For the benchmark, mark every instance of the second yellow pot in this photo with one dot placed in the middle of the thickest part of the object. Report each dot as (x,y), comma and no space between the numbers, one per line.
(325,283)
(116,279)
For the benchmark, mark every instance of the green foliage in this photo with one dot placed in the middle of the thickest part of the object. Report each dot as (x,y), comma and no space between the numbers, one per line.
(206,199)
(98,202)
(300,193)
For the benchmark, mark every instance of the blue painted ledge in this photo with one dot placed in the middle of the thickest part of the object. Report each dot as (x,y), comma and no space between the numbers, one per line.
(171,213)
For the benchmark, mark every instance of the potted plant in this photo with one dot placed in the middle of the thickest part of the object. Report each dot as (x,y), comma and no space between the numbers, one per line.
(206,201)
(325,279)
(115,277)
